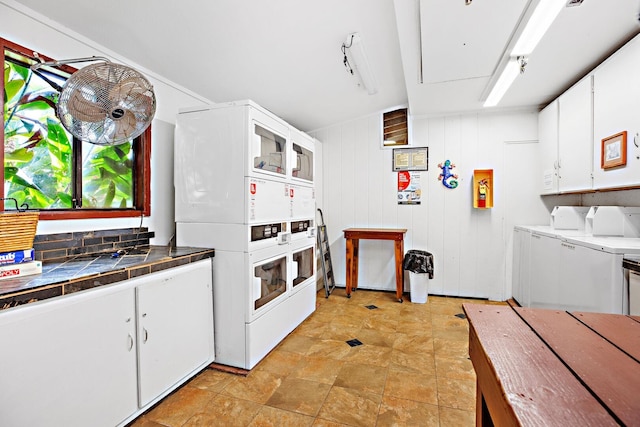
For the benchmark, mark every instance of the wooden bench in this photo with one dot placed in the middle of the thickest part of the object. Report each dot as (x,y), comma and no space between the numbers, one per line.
(554,368)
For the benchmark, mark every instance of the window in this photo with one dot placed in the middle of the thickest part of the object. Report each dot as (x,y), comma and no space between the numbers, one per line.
(395,130)
(49,169)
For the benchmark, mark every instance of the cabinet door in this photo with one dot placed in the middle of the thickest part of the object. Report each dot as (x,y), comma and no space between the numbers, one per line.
(548,140)
(616,105)
(70,361)
(175,327)
(575,137)
(544,269)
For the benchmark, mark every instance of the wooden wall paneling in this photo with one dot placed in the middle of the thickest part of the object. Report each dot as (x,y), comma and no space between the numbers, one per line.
(520,208)
(490,243)
(437,208)
(518,182)
(333,211)
(350,174)
(468,229)
(454,214)
(380,170)
(367,141)
(319,174)
(473,262)
(362,169)
(420,215)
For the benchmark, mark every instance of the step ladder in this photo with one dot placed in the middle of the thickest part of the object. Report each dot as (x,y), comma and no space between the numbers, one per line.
(325,257)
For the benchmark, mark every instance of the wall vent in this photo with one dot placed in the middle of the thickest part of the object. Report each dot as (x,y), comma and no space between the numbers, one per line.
(395,127)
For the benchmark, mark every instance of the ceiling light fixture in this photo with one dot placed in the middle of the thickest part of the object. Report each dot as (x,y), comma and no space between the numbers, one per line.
(544,14)
(355,61)
(535,27)
(509,74)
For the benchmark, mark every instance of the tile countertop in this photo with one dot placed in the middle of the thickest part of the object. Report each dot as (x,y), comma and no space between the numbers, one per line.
(90,271)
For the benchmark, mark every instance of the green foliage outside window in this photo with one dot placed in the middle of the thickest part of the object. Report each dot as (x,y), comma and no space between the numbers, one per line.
(39,153)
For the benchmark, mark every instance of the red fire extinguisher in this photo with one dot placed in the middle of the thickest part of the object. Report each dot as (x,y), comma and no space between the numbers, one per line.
(483,187)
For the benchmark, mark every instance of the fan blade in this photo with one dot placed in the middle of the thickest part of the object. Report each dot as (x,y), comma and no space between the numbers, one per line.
(133,94)
(130,87)
(83,109)
(124,127)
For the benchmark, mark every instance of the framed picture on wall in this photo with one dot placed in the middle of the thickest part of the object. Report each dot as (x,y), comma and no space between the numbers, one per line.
(411,159)
(614,151)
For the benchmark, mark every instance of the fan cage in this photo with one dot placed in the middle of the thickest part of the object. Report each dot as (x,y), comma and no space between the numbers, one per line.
(106,104)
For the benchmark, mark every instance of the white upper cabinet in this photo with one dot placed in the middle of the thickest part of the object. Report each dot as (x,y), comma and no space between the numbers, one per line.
(575,147)
(571,129)
(617,109)
(548,140)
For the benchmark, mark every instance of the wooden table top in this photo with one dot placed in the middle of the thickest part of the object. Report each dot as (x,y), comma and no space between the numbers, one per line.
(375,233)
(553,367)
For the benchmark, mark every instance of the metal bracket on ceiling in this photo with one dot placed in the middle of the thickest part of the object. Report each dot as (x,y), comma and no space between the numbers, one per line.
(523,63)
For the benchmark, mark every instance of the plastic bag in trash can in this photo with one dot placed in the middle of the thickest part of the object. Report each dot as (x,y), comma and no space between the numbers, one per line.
(418,262)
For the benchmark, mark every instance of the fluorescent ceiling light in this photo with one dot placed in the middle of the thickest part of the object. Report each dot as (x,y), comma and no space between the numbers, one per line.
(509,73)
(540,21)
(359,62)
(536,26)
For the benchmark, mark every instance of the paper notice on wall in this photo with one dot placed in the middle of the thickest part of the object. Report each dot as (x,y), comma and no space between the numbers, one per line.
(409,188)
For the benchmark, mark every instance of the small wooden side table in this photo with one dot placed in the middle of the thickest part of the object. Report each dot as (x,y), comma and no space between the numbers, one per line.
(353,236)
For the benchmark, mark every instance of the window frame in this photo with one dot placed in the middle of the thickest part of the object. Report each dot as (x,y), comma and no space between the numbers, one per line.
(141,168)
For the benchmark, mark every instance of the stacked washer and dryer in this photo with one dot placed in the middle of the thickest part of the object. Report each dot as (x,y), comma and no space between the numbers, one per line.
(244,186)
(576,262)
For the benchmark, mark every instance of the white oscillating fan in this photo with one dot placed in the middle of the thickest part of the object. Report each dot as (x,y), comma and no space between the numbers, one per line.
(105,103)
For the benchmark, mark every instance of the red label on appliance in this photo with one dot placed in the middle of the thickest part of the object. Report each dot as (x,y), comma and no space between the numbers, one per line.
(291,192)
(252,188)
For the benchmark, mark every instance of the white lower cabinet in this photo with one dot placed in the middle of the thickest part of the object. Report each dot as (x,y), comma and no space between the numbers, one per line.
(82,359)
(69,362)
(175,328)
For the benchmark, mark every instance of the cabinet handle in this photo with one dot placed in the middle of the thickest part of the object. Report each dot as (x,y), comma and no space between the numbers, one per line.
(130,340)
(145,335)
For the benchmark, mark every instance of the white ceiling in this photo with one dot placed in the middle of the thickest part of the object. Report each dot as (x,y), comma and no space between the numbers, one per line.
(286,56)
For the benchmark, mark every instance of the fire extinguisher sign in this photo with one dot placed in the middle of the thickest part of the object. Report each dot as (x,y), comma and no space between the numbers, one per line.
(409,189)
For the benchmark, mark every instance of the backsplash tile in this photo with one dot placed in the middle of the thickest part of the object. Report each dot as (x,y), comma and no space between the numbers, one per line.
(53,247)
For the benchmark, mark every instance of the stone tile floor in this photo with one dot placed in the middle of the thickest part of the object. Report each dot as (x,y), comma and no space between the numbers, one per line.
(412,369)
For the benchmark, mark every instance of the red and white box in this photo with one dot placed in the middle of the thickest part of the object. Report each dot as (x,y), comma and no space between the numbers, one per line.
(23,269)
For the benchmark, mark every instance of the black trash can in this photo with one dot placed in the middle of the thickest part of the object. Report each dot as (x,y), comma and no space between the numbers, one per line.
(418,266)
